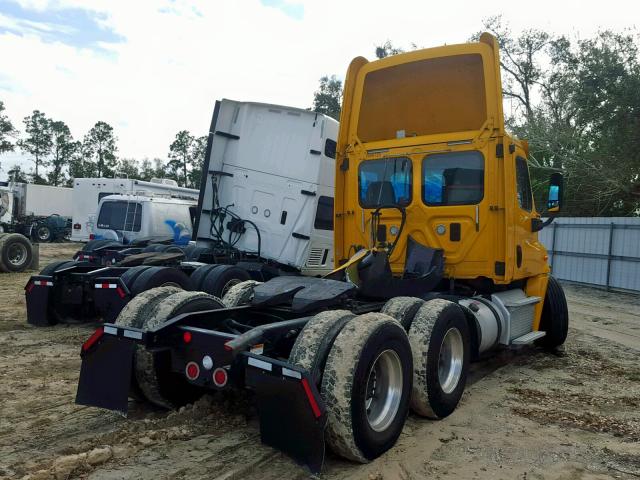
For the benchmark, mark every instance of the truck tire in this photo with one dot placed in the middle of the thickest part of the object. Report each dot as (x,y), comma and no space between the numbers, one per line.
(403,309)
(160,277)
(42,233)
(314,342)
(91,245)
(219,280)
(129,277)
(157,382)
(170,249)
(371,352)
(439,337)
(133,315)
(194,255)
(199,274)
(555,316)
(240,294)
(154,247)
(16,253)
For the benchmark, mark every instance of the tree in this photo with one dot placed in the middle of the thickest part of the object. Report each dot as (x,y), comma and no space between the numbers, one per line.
(6,132)
(128,167)
(99,145)
(387,49)
(64,147)
(181,156)
(17,175)
(199,152)
(38,142)
(328,98)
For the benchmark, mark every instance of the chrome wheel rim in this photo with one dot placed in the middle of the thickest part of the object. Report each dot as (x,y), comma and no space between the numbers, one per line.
(450,360)
(43,233)
(384,390)
(17,254)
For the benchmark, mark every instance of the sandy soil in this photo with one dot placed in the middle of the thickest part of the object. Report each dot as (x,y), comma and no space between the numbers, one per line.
(526,414)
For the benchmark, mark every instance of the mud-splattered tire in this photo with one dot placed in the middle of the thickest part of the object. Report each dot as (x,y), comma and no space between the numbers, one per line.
(359,428)
(439,337)
(152,371)
(240,294)
(220,280)
(555,316)
(403,309)
(134,314)
(313,344)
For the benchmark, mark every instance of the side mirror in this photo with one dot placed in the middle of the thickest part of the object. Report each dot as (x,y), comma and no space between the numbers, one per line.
(554,201)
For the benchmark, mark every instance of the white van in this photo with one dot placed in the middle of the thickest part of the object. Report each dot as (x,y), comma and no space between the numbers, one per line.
(128,217)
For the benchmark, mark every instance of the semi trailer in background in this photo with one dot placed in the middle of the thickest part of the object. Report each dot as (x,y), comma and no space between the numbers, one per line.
(39,212)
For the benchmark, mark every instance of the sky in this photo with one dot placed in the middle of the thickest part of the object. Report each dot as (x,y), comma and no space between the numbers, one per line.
(153,67)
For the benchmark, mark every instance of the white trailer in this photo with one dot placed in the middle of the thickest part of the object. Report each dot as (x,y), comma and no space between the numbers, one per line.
(87,193)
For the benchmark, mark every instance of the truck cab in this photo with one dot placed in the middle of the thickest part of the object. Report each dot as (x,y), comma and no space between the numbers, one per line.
(127,217)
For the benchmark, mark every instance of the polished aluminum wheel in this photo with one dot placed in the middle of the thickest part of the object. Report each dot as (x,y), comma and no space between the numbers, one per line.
(450,360)
(384,390)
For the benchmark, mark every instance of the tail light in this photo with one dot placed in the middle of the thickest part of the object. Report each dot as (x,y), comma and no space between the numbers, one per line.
(192,370)
(220,377)
(93,339)
(92,236)
(77,226)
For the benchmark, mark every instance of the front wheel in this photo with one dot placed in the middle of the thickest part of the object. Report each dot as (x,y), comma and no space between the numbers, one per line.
(366,386)
(555,316)
(43,233)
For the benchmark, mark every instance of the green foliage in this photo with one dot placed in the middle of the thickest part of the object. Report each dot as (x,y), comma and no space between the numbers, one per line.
(128,168)
(387,49)
(63,150)
(181,156)
(99,146)
(328,98)
(17,175)
(38,142)
(6,132)
(199,152)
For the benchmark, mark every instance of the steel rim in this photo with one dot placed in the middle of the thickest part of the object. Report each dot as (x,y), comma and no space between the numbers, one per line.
(43,233)
(384,390)
(228,285)
(17,254)
(450,360)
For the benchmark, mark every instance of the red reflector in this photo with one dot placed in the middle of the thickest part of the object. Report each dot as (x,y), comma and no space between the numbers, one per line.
(312,401)
(186,336)
(93,339)
(29,287)
(105,285)
(220,377)
(92,236)
(120,292)
(77,226)
(227,347)
(192,371)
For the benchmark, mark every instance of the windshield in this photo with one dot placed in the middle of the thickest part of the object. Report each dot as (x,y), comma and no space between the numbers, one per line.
(385,182)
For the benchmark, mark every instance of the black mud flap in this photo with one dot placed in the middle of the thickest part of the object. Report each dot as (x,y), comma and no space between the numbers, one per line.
(292,414)
(105,375)
(110,295)
(37,292)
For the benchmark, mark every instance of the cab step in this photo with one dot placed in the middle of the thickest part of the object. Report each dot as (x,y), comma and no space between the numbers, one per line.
(528,338)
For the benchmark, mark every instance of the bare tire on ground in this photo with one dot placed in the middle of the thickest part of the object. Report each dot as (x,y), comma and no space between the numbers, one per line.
(439,337)
(133,315)
(160,277)
(403,309)
(313,344)
(367,386)
(240,293)
(555,316)
(16,253)
(153,372)
(219,280)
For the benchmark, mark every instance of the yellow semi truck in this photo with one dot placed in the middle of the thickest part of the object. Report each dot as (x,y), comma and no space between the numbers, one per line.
(438,260)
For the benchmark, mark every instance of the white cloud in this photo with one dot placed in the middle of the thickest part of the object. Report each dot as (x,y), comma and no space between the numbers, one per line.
(178,57)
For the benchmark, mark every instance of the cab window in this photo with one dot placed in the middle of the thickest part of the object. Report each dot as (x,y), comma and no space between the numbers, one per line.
(119,215)
(385,182)
(455,178)
(523,185)
(324,214)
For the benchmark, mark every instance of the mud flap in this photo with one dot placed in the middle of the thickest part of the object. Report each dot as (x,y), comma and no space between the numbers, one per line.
(105,375)
(292,414)
(37,293)
(110,295)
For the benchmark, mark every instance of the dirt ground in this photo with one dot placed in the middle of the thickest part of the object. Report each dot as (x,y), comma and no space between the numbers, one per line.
(526,414)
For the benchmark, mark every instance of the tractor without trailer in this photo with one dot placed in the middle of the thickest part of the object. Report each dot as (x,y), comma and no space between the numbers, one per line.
(438,265)
(265,209)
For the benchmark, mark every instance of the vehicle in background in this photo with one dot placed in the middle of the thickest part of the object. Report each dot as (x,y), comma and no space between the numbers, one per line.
(39,212)
(87,193)
(265,209)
